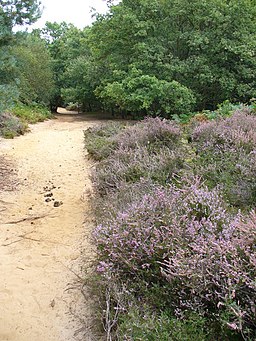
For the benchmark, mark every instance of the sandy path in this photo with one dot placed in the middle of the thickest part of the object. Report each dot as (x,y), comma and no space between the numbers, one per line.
(39,299)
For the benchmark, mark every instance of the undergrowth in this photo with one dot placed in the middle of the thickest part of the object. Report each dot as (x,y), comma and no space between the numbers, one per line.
(11,126)
(175,235)
(31,113)
(15,122)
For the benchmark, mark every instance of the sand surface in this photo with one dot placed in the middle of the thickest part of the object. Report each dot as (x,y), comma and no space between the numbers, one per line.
(43,247)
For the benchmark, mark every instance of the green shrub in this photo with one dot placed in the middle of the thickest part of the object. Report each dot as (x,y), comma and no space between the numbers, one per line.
(31,113)
(143,325)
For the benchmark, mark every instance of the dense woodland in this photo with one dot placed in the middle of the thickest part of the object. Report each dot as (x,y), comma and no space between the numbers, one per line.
(142,58)
(174,194)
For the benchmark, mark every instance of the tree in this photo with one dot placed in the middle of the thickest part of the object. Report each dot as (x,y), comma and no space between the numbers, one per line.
(207,47)
(145,94)
(12,12)
(73,74)
(62,40)
(79,84)
(33,69)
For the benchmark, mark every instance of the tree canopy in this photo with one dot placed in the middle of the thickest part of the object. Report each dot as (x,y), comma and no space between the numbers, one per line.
(160,56)
(144,57)
(12,12)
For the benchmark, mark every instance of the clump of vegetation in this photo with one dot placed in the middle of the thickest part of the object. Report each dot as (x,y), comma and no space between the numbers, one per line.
(151,149)
(169,238)
(99,140)
(128,165)
(11,126)
(226,150)
(32,113)
(16,121)
(142,324)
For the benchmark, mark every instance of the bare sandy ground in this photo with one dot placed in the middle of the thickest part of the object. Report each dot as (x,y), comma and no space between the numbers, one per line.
(42,246)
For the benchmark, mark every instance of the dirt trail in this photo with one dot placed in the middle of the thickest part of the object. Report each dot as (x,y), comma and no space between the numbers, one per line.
(40,245)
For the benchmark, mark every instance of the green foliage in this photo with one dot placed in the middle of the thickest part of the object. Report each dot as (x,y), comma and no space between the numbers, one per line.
(68,49)
(147,94)
(158,58)
(79,79)
(32,113)
(33,69)
(206,48)
(8,94)
(8,82)
(147,326)
(16,121)
(12,13)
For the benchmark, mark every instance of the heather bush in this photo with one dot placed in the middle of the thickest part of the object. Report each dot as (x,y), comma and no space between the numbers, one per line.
(148,228)
(226,151)
(151,133)
(238,131)
(186,236)
(151,149)
(131,165)
(11,126)
(214,275)
(107,207)
(173,240)
(99,140)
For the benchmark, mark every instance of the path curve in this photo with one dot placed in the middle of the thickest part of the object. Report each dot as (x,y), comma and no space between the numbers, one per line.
(40,238)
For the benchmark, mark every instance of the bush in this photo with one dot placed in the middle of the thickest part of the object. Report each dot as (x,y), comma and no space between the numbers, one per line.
(146,94)
(11,126)
(176,243)
(138,237)
(150,149)
(99,140)
(227,156)
(146,325)
(73,106)
(127,166)
(186,236)
(107,207)
(215,275)
(151,133)
(32,113)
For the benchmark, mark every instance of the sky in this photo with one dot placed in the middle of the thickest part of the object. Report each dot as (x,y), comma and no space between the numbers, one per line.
(77,12)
